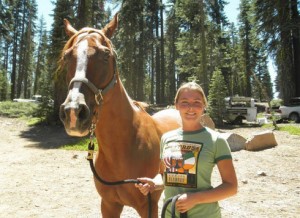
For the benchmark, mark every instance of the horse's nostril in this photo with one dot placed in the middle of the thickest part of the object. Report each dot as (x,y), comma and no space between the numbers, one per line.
(83,112)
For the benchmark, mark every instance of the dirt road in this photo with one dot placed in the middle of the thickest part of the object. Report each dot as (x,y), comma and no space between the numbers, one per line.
(39,180)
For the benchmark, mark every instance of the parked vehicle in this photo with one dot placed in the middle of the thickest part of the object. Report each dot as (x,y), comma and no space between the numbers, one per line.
(239,108)
(34,99)
(291,111)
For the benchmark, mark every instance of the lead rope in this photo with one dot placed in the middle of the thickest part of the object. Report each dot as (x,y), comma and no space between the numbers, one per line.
(173,204)
(90,158)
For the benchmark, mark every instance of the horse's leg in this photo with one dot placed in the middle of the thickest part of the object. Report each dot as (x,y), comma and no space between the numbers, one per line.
(143,210)
(111,209)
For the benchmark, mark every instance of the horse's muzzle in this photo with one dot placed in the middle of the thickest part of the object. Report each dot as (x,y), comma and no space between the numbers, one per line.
(75,116)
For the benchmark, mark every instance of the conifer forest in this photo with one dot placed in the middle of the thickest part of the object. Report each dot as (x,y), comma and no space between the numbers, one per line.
(159,44)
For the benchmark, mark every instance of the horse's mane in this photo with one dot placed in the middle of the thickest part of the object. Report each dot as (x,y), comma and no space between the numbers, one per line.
(141,105)
(70,43)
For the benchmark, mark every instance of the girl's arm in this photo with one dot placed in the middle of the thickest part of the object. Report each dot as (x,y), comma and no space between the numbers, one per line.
(227,188)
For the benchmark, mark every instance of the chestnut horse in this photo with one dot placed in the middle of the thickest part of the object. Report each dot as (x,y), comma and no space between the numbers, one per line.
(128,137)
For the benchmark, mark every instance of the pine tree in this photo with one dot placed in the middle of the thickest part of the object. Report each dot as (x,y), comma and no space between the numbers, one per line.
(217,93)
(137,34)
(279,29)
(43,84)
(3,85)
(245,31)
(63,9)
(5,17)
(172,33)
(6,27)
(41,55)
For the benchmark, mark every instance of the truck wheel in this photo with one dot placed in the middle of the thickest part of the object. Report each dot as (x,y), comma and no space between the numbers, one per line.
(294,117)
(238,121)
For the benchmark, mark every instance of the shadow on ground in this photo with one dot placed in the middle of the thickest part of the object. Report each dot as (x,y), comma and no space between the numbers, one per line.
(234,126)
(54,136)
(48,136)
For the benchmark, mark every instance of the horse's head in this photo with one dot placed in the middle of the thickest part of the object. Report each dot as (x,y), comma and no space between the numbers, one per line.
(91,72)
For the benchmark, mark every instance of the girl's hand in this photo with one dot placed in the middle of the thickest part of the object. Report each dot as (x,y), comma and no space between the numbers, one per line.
(184,203)
(147,185)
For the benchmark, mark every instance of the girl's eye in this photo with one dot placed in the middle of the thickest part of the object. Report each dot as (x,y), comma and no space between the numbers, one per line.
(184,104)
(196,104)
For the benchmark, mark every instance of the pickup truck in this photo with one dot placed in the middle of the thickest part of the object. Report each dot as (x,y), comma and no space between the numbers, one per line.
(291,111)
(239,108)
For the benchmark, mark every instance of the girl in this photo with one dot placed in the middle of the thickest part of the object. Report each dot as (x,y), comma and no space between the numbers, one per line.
(189,154)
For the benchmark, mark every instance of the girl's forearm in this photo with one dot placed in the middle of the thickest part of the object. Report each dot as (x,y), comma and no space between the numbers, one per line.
(218,193)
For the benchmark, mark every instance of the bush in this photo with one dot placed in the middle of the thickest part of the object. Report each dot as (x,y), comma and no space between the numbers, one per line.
(18,109)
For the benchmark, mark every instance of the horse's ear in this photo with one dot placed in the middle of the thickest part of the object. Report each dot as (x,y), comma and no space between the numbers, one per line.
(110,28)
(70,31)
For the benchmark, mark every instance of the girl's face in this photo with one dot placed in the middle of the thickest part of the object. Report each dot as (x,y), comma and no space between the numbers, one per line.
(191,107)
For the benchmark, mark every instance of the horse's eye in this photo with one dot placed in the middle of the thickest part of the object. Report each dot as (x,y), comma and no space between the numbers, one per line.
(106,55)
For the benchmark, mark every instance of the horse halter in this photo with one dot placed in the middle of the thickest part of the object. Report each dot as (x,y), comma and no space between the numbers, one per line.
(98,92)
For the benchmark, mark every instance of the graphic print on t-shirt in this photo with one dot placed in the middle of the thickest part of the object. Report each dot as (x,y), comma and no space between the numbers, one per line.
(181,159)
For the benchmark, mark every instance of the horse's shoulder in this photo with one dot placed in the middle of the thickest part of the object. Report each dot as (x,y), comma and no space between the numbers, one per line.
(166,112)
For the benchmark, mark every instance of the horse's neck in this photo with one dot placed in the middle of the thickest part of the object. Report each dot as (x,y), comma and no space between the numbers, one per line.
(116,116)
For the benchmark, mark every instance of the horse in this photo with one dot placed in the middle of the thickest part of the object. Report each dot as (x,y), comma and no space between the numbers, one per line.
(128,137)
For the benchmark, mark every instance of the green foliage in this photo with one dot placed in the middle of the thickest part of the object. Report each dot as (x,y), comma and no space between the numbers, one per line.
(3,86)
(34,121)
(277,23)
(290,128)
(45,109)
(276,102)
(293,130)
(81,145)
(18,109)
(218,91)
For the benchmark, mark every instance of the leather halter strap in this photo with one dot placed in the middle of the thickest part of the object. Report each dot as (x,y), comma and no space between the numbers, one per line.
(98,92)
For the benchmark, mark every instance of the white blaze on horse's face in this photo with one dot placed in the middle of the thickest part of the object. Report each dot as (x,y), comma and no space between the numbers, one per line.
(82,61)
(80,73)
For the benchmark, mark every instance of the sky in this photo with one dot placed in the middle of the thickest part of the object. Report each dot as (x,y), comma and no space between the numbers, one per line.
(232,11)
(45,8)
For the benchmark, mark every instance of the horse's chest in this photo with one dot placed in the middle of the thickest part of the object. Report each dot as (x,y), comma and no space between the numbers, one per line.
(118,194)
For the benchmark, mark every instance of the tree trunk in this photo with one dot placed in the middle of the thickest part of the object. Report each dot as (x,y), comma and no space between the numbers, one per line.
(285,56)
(162,48)
(296,45)
(14,64)
(22,55)
(140,71)
(157,61)
(203,74)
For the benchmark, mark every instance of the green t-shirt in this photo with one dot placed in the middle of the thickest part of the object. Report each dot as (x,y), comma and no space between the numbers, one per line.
(189,158)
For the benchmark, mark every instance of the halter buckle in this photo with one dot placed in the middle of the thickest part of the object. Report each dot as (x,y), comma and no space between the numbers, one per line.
(90,155)
(91,145)
(99,97)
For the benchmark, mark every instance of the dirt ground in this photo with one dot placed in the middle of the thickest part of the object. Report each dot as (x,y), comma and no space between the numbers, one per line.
(39,180)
